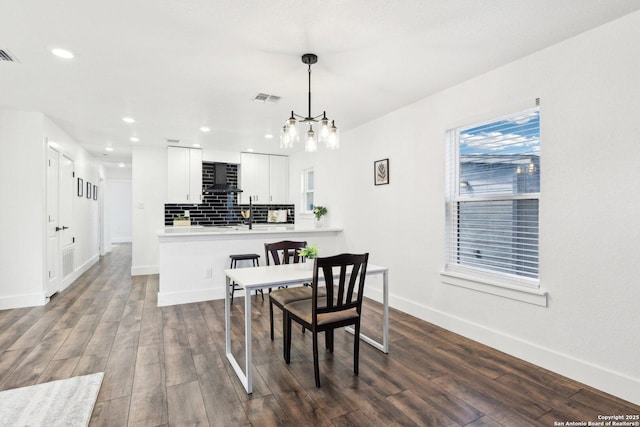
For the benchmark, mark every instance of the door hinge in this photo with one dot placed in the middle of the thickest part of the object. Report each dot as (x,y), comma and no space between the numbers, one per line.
(49,274)
(73,240)
(73,174)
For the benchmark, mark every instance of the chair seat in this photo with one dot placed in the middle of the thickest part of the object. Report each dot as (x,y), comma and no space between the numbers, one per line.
(242,257)
(285,296)
(303,310)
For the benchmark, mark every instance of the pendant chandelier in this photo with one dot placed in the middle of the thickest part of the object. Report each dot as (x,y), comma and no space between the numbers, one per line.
(327,133)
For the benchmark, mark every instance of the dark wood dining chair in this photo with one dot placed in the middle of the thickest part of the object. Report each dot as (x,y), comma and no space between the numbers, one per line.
(284,252)
(341,306)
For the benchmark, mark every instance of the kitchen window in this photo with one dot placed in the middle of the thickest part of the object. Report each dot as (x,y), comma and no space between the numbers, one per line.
(492,201)
(307,190)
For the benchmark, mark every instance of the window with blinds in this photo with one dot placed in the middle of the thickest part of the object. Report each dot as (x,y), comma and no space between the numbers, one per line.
(308,187)
(493,196)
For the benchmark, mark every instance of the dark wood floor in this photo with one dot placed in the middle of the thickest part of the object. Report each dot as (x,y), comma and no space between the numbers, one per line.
(166,366)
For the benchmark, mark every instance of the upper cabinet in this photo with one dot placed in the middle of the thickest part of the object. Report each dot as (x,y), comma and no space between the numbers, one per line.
(184,175)
(278,180)
(264,178)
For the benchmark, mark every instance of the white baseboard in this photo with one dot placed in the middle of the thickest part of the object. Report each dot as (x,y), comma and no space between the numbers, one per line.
(125,239)
(173,298)
(78,272)
(142,270)
(607,380)
(19,301)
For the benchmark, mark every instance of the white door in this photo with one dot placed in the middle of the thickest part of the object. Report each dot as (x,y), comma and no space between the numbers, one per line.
(52,282)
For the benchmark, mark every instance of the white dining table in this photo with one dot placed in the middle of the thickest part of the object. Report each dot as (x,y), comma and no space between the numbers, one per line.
(254,278)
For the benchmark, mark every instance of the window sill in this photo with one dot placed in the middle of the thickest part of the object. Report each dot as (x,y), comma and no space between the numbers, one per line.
(495,287)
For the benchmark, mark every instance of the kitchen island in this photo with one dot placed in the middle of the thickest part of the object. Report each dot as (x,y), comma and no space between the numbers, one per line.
(192,259)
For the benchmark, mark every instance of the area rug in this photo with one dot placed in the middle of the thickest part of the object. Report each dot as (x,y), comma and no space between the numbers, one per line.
(57,403)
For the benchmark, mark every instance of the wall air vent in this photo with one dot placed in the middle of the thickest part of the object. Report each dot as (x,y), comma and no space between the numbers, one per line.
(6,56)
(173,141)
(265,97)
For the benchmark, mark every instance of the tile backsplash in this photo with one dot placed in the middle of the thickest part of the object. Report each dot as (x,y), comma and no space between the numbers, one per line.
(221,208)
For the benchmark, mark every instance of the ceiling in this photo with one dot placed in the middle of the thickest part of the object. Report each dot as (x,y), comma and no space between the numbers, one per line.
(178,65)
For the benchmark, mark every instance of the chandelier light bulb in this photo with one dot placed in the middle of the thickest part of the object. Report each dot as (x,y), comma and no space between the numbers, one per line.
(333,141)
(285,138)
(323,134)
(291,128)
(311,145)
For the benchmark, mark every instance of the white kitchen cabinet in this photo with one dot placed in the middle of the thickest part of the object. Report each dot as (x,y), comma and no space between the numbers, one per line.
(184,175)
(264,178)
(278,180)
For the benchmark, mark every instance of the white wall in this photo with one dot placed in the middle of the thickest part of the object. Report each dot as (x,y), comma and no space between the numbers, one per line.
(23,196)
(149,193)
(589,234)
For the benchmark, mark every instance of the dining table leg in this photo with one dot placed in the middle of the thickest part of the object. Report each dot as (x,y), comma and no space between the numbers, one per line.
(384,345)
(246,376)
(247,339)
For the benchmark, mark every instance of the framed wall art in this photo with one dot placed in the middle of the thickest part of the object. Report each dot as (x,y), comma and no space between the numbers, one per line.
(80,187)
(381,172)
(89,186)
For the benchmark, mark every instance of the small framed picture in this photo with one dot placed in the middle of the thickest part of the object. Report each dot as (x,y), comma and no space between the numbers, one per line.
(95,192)
(80,187)
(381,172)
(89,186)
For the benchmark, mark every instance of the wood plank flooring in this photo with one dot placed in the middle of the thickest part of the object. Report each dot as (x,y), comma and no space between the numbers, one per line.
(167,366)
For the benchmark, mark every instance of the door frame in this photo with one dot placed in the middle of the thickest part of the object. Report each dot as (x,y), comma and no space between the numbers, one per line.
(52,254)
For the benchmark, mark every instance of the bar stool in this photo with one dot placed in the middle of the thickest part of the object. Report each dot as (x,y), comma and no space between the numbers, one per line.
(254,258)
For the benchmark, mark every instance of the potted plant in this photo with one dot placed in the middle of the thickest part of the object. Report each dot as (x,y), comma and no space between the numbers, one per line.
(181,220)
(309,252)
(319,212)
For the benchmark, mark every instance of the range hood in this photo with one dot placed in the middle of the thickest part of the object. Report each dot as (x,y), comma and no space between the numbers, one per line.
(220,184)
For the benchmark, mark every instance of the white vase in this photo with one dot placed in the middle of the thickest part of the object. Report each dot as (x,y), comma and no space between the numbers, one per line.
(319,223)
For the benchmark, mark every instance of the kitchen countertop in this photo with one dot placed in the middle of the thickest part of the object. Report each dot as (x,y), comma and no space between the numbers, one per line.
(199,230)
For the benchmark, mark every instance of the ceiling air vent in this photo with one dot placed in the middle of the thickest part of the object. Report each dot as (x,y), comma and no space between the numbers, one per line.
(173,141)
(6,56)
(265,97)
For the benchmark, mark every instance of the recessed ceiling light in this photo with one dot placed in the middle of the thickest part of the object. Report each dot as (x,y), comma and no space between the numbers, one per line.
(62,53)
(205,129)
(250,150)
(134,139)
(268,136)
(121,165)
(128,120)
(108,149)
(196,145)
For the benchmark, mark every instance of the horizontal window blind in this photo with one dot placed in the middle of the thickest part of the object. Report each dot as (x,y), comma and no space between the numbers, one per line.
(493,195)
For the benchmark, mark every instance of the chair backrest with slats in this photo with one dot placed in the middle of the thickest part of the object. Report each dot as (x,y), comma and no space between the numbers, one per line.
(345,290)
(284,252)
